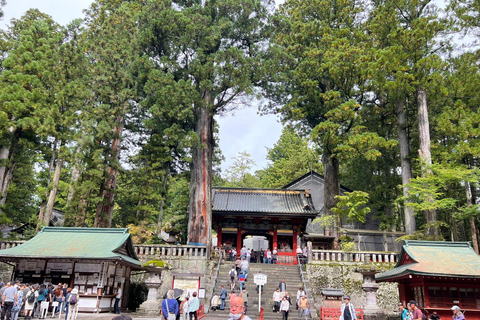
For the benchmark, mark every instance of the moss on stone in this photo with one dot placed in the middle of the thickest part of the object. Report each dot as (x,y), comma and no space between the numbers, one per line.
(156,264)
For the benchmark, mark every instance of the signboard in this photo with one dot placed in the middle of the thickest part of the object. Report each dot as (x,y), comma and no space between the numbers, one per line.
(260,279)
(189,286)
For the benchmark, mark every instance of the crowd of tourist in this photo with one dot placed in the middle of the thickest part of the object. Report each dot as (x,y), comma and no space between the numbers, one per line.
(26,300)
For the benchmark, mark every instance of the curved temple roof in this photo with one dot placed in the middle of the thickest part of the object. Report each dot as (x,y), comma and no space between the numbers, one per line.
(77,243)
(435,258)
(266,201)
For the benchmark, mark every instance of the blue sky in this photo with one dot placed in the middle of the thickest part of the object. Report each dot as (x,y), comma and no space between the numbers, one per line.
(242,130)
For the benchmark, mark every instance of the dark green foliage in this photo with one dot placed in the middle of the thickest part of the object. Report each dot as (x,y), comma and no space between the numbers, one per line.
(137,295)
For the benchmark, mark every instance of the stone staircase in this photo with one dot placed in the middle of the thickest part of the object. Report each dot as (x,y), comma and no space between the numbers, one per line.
(275,274)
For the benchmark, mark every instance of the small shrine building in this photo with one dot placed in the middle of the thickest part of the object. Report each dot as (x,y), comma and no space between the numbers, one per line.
(93,260)
(438,275)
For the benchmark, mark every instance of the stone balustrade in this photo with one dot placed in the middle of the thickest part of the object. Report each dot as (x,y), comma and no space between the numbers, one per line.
(200,253)
(171,251)
(357,256)
(9,244)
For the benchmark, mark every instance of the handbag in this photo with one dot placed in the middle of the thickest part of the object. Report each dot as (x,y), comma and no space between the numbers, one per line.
(307,312)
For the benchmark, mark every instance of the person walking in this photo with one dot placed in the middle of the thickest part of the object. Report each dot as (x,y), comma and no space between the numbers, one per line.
(285,308)
(233,275)
(457,314)
(403,311)
(170,306)
(237,310)
(72,304)
(262,259)
(9,300)
(416,313)
(241,280)
(268,254)
(283,286)
(16,308)
(245,265)
(31,296)
(244,296)
(118,296)
(248,256)
(274,255)
(303,306)
(277,298)
(223,296)
(300,293)
(193,306)
(347,310)
(184,308)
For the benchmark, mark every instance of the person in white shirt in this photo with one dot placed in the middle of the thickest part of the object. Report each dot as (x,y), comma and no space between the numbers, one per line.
(300,294)
(277,297)
(118,296)
(248,254)
(285,307)
(244,265)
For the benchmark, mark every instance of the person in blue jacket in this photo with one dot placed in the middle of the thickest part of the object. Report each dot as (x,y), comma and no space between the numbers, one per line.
(170,306)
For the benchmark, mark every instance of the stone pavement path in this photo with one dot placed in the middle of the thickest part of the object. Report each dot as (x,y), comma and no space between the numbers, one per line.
(135,316)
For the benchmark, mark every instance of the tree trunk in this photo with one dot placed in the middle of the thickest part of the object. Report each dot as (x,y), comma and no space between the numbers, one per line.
(200,208)
(106,214)
(473,229)
(425,154)
(4,152)
(96,222)
(49,177)
(332,188)
(9,170)
(3,164)
(410,226)
(75,177)
(162,204)
(53,192)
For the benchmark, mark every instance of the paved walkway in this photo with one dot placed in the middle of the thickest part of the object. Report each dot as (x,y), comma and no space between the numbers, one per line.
(135,316)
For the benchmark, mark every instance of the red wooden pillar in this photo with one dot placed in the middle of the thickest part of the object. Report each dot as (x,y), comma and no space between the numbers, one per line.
(219,237)
(239,240)
(295,244)
(275,241)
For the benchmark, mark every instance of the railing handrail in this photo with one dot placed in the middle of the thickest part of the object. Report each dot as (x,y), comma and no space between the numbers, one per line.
(355,256)
(313,314)
(363,251)
(214,281)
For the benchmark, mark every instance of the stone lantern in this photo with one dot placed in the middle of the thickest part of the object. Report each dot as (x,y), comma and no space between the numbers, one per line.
(152,305)
(371,310)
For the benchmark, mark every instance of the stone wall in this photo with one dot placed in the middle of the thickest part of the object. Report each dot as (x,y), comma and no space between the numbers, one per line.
(179,265)
(6,271)
(341,275)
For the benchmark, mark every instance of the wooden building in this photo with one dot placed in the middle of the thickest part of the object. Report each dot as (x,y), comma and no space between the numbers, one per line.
(93,260)
(438,275)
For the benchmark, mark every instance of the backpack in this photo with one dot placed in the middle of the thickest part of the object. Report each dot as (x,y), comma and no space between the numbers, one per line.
(73,299)
(424,316)
(31,297)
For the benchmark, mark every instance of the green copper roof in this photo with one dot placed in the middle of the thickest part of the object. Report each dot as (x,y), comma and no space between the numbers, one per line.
(435,258)
(77,243)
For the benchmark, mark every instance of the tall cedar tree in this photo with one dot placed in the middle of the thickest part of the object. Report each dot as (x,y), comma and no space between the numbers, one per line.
(213,46)
(319,78)
(112,52)
(407,67)
(24,94)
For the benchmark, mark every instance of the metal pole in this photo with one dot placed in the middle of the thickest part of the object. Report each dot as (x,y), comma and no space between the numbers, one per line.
(259,297)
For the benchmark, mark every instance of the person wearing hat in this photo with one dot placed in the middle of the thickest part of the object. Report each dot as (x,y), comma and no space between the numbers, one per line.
(347,310)
(416,313)
(457,314)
